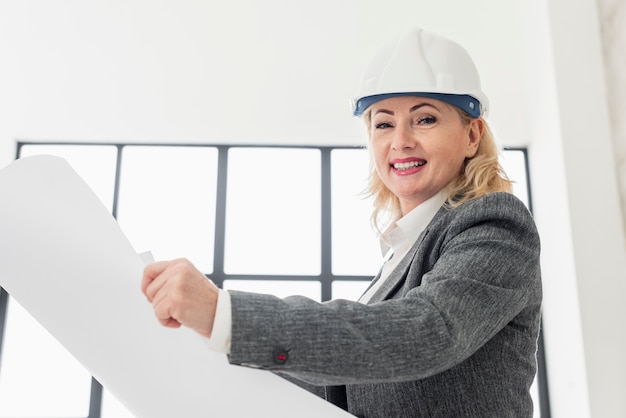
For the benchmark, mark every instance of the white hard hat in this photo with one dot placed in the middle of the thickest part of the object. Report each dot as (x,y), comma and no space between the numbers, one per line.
(421,63)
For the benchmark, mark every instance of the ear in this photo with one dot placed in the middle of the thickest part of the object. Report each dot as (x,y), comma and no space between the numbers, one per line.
(475,130)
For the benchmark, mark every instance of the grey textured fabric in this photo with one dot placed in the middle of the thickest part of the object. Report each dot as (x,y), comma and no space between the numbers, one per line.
(452,332)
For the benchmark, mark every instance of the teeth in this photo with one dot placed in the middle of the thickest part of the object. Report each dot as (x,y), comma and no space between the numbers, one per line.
(406,166)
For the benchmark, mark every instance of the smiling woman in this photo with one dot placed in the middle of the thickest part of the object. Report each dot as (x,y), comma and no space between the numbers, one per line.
(456,312)
(449,326)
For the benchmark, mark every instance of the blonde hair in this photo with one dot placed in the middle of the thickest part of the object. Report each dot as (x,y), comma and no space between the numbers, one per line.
(480,175)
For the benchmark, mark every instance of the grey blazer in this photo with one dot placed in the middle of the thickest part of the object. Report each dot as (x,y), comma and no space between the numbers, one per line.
(452,332)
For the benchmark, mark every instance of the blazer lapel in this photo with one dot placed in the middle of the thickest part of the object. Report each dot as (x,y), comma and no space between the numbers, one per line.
(377,277)
(398,276)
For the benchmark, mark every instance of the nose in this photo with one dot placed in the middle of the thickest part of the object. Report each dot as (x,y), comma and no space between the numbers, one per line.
(403,138)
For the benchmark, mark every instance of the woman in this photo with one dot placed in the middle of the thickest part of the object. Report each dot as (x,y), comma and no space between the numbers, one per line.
(449,326)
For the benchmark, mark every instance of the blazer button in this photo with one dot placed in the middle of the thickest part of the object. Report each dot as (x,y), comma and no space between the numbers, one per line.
(281,357)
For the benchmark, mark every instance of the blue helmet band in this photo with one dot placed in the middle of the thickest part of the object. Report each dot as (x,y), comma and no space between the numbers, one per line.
(467,103)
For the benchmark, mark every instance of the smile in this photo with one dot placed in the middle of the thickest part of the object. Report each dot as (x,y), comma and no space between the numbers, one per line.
(408,165)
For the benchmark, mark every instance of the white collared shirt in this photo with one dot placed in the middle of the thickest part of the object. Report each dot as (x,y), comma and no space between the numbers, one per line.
(401,236)
(222,324)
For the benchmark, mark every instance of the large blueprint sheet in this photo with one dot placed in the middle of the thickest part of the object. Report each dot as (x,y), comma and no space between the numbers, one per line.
(65,260)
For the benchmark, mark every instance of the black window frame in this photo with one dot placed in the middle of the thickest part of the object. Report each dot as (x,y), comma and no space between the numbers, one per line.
(326,276)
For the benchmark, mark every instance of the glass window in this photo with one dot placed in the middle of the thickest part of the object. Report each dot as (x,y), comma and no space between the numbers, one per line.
(39,378)
(273,211)
(167,204)
(167,201)
(95,164)
(513,163)
(355,248)
(349,289)
(34,365)
(280,288)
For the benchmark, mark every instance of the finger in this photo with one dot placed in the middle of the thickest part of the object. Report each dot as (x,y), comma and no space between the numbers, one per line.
(164,310)
(150,273)
(168,273)
(170,323)
(162,306)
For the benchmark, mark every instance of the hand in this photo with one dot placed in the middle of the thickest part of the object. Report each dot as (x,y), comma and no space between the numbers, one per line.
(180,295)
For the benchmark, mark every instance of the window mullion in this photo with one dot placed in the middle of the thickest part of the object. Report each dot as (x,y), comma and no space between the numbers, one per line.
(220,216)
(326,230)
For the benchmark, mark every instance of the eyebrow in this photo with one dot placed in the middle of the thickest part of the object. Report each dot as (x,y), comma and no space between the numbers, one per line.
(413,109)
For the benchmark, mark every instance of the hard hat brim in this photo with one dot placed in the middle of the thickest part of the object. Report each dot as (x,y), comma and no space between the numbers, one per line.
(465,102)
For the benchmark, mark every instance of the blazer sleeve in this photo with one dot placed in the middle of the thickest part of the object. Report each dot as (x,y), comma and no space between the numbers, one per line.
(475,271)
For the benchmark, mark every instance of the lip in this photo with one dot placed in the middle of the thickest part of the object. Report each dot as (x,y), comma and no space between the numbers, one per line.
(409,171)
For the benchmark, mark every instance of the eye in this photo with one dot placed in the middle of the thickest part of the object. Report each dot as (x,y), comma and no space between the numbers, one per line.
(383,125)
(426,120)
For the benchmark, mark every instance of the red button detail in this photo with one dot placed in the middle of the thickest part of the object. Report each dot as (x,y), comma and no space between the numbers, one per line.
(281,357)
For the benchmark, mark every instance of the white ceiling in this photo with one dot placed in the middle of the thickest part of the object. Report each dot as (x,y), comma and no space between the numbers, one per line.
(216,71)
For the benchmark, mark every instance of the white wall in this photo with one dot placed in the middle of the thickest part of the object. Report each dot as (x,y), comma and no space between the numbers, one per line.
(577,209)
(612,15)
(244,71)
(282,72)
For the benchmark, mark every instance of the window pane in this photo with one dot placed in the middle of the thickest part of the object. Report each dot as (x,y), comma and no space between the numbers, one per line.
(95,164)
(280,288)
(349,290)
(167,202)
(355,246)
(273,211)
(514,164)
(39,378)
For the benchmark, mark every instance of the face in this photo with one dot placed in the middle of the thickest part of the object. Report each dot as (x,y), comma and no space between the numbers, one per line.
(419,146)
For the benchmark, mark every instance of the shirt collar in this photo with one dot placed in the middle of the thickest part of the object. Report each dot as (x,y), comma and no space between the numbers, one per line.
(404,232)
